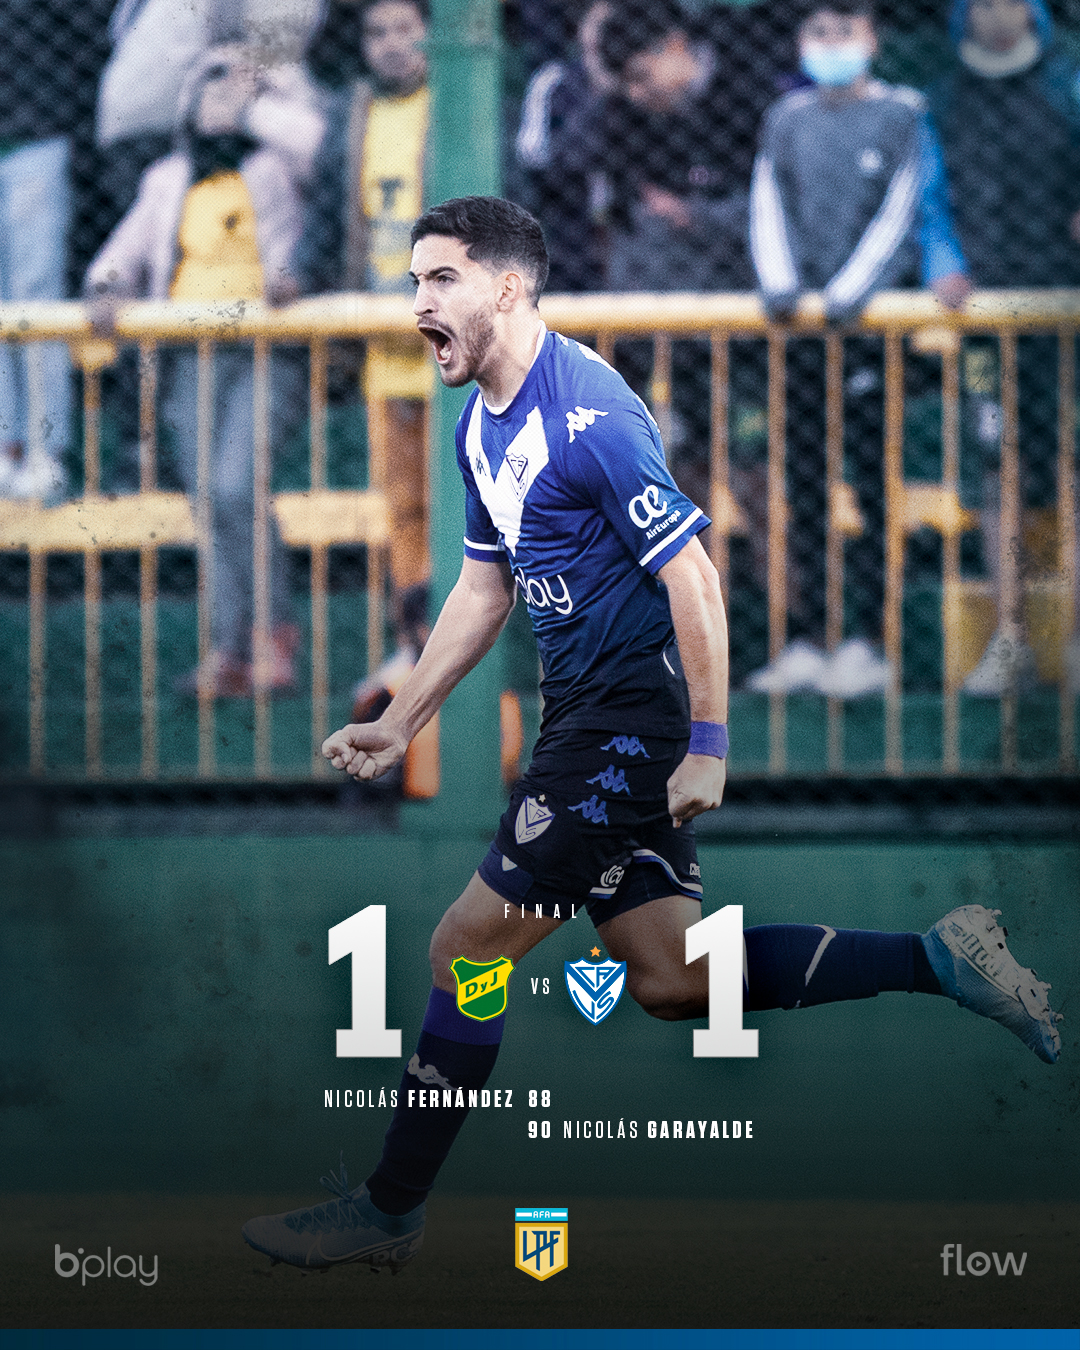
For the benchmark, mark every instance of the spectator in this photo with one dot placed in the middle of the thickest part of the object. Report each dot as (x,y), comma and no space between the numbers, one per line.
(156,43)
(566,197)
(1009,119)
(370,189)
(46,87)
(835,207)
(218,219)
(679,177)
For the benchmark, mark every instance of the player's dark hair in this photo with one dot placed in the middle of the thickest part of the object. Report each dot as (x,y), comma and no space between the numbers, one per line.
(494,231)
(637,27)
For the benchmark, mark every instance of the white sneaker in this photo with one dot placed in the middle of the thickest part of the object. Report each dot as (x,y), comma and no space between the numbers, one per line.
(1007,666)
(967,952)
(854,670)
(40,479)
(798,667)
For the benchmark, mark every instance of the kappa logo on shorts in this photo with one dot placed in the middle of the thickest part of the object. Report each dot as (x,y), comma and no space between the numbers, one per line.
(626,745)
(533,818)
(594,809)
(612,780)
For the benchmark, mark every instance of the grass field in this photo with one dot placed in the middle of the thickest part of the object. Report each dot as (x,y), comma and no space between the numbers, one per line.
(631,1264)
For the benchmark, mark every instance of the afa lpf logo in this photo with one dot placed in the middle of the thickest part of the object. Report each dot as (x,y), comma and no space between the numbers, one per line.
(595,986)
(540,1241)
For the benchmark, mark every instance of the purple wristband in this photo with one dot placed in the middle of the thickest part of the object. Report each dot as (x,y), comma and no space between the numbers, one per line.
(708,738)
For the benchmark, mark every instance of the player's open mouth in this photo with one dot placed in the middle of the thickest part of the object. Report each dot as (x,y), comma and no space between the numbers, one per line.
(441,342)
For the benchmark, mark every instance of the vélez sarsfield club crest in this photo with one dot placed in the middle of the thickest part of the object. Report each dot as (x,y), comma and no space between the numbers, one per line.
(481,986)
(595,986)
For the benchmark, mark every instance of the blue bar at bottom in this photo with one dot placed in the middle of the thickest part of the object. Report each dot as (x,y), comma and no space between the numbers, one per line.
(548,1339)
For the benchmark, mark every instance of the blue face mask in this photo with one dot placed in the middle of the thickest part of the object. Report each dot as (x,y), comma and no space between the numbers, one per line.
(834,65)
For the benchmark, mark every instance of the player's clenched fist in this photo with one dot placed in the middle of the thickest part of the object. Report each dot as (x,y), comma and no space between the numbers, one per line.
(364,749)
(697,785)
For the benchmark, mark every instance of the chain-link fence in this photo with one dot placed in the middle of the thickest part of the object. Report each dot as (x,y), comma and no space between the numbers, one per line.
(237,152)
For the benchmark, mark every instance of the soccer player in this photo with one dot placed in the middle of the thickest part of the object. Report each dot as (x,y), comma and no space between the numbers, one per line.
(569,501)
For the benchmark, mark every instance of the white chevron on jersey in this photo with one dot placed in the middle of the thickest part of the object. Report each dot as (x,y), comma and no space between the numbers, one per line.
(504,493)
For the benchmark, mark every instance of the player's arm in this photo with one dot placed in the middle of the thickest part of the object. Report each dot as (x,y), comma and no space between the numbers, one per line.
(470,621)
(697,611)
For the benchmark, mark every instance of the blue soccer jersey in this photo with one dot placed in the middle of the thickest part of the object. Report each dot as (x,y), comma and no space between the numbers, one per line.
(570,483)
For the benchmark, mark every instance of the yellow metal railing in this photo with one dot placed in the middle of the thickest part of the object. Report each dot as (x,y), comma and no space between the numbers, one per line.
(322,517)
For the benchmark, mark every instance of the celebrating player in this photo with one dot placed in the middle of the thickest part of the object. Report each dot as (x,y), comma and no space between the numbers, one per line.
(569,502)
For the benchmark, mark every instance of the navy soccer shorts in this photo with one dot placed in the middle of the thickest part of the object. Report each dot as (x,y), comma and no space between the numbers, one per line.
(588,825)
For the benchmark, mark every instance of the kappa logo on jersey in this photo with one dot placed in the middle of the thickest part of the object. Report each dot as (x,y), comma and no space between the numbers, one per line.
(612,780)
(646,507)
(540,1241)
(533,818)
(581,418)
(595,987)
(594,809)
(481,986)
(626,745)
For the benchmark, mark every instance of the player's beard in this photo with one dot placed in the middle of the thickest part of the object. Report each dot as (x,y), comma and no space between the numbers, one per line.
(471,348)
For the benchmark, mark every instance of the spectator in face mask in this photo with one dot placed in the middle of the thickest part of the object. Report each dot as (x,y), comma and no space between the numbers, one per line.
(846,188)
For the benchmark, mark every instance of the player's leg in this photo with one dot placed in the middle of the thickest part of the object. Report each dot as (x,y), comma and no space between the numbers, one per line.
(456,1053)
(963,957)
(381,1222)
(651,939)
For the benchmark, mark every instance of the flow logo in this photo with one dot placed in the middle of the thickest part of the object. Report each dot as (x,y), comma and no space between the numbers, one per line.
(978,1263)
(68,1264)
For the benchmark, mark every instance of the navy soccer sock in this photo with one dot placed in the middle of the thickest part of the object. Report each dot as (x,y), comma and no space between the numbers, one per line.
(798,965)
(454,1054)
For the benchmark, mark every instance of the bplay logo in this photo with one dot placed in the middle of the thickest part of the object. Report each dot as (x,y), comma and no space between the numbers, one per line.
(122,1266)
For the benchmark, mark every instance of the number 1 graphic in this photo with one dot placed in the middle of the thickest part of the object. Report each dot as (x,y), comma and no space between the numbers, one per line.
(363,937)
(720,938)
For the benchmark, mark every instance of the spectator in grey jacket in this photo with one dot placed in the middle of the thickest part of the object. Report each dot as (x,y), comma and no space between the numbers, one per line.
(846,187)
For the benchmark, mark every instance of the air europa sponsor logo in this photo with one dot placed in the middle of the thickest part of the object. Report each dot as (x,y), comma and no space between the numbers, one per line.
(543,592)
(646,506)
(123,1267)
